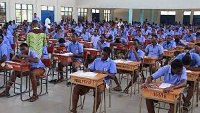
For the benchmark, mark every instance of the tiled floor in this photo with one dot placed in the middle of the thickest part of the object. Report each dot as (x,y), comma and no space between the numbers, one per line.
(57,101)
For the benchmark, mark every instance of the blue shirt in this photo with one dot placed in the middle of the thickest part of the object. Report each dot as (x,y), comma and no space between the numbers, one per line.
(9,36)
(45,53)
(189,38)
(105,44)
(33,54)
(4,50)
(192,51)
(131,55)
(194,57)
(141,39)
(86,36)
(154,51)
(169,77)
(94,40)
(181,43)
(56,36)
(76,49)
(170,45)
(6,41)
(124,39)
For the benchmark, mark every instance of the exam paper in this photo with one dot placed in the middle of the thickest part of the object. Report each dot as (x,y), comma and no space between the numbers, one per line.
(85,74)
(164,85)
(67,54)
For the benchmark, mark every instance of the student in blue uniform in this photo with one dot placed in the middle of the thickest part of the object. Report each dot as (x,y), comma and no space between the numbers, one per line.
(192,62)
(169,44)
(85,35)
(102,43)
(196,49)
(100,65)
(140,38)
(37,69)
(77,49)
(134,54)
(174,74)
(4,52)
(189,37)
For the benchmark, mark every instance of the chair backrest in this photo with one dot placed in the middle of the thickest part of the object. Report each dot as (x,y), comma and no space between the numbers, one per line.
(47,62)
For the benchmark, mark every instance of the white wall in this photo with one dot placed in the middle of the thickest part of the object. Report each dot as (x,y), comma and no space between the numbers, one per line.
(140,4)
(10,7)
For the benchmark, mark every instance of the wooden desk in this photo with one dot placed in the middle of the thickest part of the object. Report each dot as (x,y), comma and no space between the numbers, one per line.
(180,48)
(190,45)
(52,41)
(159,95)
(94,82)
(20,67)
(58,49)
(169,53)
(129,66)
(149,60)
(87,44)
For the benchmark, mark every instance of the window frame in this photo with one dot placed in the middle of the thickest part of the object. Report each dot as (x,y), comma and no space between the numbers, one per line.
(4,12)
(107,14)
(66,12)
(20,11)
(82,13)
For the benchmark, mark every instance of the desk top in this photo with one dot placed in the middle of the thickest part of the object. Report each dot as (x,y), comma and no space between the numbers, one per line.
(122,61)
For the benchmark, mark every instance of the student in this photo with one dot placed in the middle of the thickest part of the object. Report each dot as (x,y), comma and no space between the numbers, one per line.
(7,34)
(77,49)
(191,61)
(35,17)
(4,52)
(180,42)
(100,65)
(196,49)
(140,38)
(85,35)
(58,33)
(102,43)
(189,37)
(134,54)
(36,70)
(174,74)
(169,44)
(95,38)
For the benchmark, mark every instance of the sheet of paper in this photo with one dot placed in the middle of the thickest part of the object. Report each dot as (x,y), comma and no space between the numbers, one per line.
(85,74)
(119,61)
(164,85)
(91,49)
(188,71)
(128,61)
(67,54)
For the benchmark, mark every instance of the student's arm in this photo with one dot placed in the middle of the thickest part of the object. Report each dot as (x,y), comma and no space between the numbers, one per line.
(31,59)
(148,81)
(3,59)
(16,58)
(136,55)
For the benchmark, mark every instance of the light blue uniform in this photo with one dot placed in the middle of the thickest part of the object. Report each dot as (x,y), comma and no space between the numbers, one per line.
(170,45)
(76,49)
(194,57)
(131,55)
(4,51)
(154,51)
(105,44)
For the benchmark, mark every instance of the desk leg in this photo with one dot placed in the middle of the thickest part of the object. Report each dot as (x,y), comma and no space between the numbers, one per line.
(192,109)
(70,98)
(132,85)
(197,95)
(21,85)
(104,93)
(95,101)
(140,106)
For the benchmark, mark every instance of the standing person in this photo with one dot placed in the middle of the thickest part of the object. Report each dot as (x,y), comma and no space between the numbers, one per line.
(48,22)
(35,17)
(36,39)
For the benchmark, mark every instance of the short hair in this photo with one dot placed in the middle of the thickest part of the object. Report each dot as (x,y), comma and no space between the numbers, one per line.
(155,36)
(186,59)
(61,40)
(107,50)
(103,35)
(136,40)
(1,35)
(176,64)
(24,45)
(34,22)
(177,40)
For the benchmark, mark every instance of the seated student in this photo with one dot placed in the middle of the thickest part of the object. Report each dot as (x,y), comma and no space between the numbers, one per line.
(174,74)
(77,49)
(169,44)
(85,35)
(58,33)
(102,43)
(95,38)
(180,42)
(191,62)
(134,54)
(63,43)
(4,52)
(154,50)
(45,53)
(189,37)
(7,34)
(140,38)
(36,70)
(100,65)
(196,49)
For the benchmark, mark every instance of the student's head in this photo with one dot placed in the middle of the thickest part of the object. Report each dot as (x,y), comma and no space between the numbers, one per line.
(155,36)
(177,66)
(24,48)
(197,48)
(35,14)
(62,42)
(186,59)
(139,33)
(35,23)
(103,38)
(1,38)
(136,43)
(177,40)
(168,38)
(105,53)
(153,41)
(73,38)
(4,29)
(95,32)
(13,21)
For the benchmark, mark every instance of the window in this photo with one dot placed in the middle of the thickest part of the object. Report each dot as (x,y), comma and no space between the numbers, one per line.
(107,15)
(82,14)
(48,8)
(168,13)
(95,10)
(196,12)
(66,13)
(23,12)
(2,12)
(187,13)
